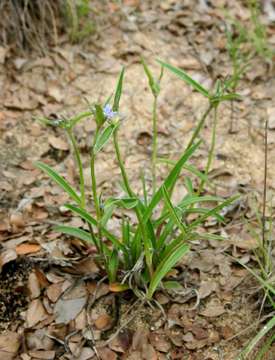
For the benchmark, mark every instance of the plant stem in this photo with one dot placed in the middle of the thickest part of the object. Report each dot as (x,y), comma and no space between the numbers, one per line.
(212,148)
(94,191)
(80,166)
(200,125)
(121,165)
(147,248)
(155,145)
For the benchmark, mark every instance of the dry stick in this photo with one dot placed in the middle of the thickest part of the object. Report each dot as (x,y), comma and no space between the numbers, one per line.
(265,185)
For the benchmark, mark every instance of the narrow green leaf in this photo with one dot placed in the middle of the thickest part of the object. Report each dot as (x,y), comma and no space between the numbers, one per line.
(75,120)
(58,179)
(76,232)
(172,211)
(103,137)
(170,180)
(99,115)
(165,266)
(92,221)
(213,211)
(118,91)
(154,86)
(112,264)
(185,77)
(265,329)
(126,203)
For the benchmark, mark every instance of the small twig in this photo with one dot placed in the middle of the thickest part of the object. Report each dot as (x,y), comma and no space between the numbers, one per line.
(265,185)
(122,326)
(250,327)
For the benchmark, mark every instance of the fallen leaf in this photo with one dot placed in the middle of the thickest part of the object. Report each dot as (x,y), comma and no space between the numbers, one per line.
(7,256)
(67,310)
(213,309)
(116,287)
(3,53)
(106,354)
(103,322)
(55,92)
(206,288)
(24,249)
(159,342)
(17,221)
(9,345)
(43,355)
(58,143)
(33,286)
(35,313)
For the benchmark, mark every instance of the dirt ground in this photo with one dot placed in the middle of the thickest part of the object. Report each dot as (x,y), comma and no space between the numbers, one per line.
(52,303)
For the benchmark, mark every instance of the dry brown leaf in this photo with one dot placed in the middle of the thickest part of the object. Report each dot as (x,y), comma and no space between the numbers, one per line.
(9,345)
(7,256)
(106,354)
(159,342)
(33,286)
(121,343)
(213,309)
(58,143)
(35,313)
(206,288)
(54,291)
(103,322)
(17,221)
(55,92)
(24,249)
(67,310)
(148,352)
(43,355)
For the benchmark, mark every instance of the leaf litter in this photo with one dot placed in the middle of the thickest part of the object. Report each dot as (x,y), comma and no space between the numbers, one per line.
(52,302)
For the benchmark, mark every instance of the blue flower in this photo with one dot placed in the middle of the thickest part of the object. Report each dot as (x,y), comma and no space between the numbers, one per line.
(108,112)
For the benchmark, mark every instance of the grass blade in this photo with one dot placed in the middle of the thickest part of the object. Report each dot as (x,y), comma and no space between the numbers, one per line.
(75,232)
(92,221)
(172,211)
(170,180)
(165,266)
(58,179)
(103,138)
(185,77)
(270,325)
(118,91)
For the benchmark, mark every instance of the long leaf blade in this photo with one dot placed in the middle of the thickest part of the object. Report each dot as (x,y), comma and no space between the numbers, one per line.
(103,138)
(76,232)
(185,77)
(92,221)
(118,91)
(58,179)
(170,180)
(165,266)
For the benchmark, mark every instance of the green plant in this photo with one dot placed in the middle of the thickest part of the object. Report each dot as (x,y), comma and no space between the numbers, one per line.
(222,92)
(77,15)
(265,274)
(258,35)
(151,246)
(155,89)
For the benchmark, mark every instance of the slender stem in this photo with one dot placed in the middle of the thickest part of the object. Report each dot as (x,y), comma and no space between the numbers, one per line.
(155,145)
(121,165)
(79,117)
(200,125)
(212,148)
(81,179)
(265,187)
(80,166)
(94,191)
(146,240)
